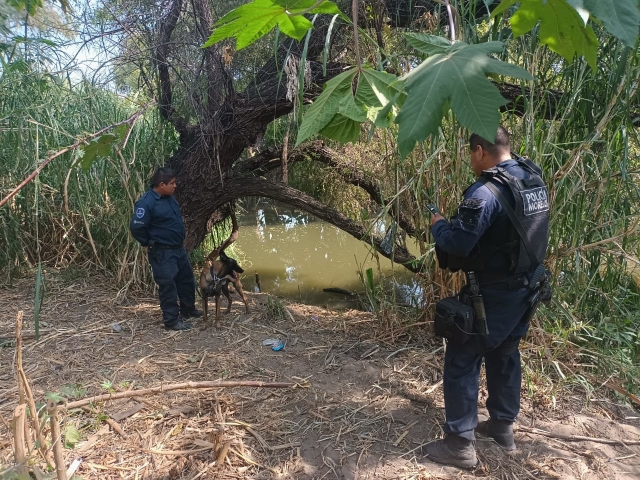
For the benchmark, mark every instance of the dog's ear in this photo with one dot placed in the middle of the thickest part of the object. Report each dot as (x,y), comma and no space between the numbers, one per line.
(237,268)
(223,256)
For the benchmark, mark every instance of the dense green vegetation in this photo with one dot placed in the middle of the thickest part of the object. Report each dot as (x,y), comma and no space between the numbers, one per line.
(576,120)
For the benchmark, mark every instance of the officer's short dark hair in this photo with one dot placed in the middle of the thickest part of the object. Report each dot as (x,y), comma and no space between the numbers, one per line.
(500,145)
(162,175)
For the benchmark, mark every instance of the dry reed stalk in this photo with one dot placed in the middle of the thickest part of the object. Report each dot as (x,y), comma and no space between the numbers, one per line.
(19,354)
(216,438)
(223,453)
(26,396)
(56,440)
(180,386)
(20,453)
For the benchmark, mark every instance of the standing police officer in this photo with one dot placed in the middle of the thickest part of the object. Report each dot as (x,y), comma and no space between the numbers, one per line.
(157,224)
(484,240)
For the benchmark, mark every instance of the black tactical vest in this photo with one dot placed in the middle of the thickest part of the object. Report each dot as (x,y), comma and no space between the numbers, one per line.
(500,249)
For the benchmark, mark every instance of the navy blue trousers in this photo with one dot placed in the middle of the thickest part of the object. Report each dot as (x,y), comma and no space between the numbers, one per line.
(505,310)
(173,273)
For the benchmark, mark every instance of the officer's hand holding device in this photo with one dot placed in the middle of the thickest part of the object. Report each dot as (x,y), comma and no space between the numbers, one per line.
(434,210)
(437,215)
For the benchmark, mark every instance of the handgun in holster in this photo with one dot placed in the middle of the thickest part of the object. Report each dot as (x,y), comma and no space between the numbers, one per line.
(541,291)
(478,304)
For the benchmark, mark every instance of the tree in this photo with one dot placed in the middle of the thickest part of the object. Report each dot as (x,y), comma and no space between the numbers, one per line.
(220,106)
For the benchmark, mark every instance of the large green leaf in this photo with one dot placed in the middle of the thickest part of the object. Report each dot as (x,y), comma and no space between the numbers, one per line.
(251,21)
(619,17)
(300,7)
(323,109)
(98,147)
(379,92)
(350,109)
(457,77)
(376,89)
(429,44)
(562,28)
(295,27)
(385,115)
(342,129)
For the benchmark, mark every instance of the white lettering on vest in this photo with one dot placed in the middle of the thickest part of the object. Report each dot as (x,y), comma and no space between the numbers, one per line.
(535,200)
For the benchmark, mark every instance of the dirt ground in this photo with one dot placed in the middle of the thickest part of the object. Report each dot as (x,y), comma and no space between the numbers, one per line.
(364,404)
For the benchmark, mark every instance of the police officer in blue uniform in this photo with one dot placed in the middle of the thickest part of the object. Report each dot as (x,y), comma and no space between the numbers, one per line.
(157,224)
(482,239)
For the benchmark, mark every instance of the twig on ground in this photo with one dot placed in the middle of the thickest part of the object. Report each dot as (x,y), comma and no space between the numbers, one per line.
(180,386)
(112,423)
(576,438)
(176,452)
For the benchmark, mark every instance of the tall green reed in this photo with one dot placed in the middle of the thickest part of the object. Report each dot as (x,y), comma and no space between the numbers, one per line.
(82,216)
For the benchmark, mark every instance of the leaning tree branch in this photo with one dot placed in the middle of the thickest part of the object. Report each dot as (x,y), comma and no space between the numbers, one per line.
(318,151)
(353,175)
(547,101)
(261,187)
(131,120)
(225,244)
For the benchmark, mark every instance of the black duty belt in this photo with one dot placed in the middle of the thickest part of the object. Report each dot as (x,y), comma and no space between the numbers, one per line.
(162,246)
(498,282)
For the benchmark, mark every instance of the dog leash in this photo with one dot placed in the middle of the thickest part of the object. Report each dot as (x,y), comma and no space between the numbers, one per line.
(216,280)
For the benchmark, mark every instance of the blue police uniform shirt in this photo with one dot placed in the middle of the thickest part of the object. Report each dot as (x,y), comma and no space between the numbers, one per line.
(157,219)
(478,210)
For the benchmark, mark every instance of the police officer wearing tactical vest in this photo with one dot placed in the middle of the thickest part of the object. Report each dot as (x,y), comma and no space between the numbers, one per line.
(157,224)
(499,239)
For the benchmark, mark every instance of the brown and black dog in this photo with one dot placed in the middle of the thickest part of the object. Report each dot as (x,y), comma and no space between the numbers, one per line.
(214,280)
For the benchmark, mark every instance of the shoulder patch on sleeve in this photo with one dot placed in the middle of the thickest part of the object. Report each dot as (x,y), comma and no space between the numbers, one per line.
(472,203)
(469,213)
(140,212)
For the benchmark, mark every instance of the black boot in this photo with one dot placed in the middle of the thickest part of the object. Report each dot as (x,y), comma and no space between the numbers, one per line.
(195,313)
(500,431)
(453,450)
(177,326)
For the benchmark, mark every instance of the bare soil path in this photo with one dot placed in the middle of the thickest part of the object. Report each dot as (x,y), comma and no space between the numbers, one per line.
(367,400)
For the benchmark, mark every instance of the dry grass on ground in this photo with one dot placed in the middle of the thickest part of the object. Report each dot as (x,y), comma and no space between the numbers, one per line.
(365,403)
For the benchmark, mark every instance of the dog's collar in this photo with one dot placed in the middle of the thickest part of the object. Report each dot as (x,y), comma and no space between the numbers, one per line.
(216,278)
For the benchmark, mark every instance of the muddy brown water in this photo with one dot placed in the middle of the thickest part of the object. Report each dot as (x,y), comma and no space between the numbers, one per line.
(297,256)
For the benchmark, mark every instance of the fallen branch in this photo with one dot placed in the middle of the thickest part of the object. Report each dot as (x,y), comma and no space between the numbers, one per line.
(180,386)
(576,438)
(45,162)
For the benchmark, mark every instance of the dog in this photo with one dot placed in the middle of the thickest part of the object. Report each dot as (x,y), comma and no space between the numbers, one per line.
(215,280)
